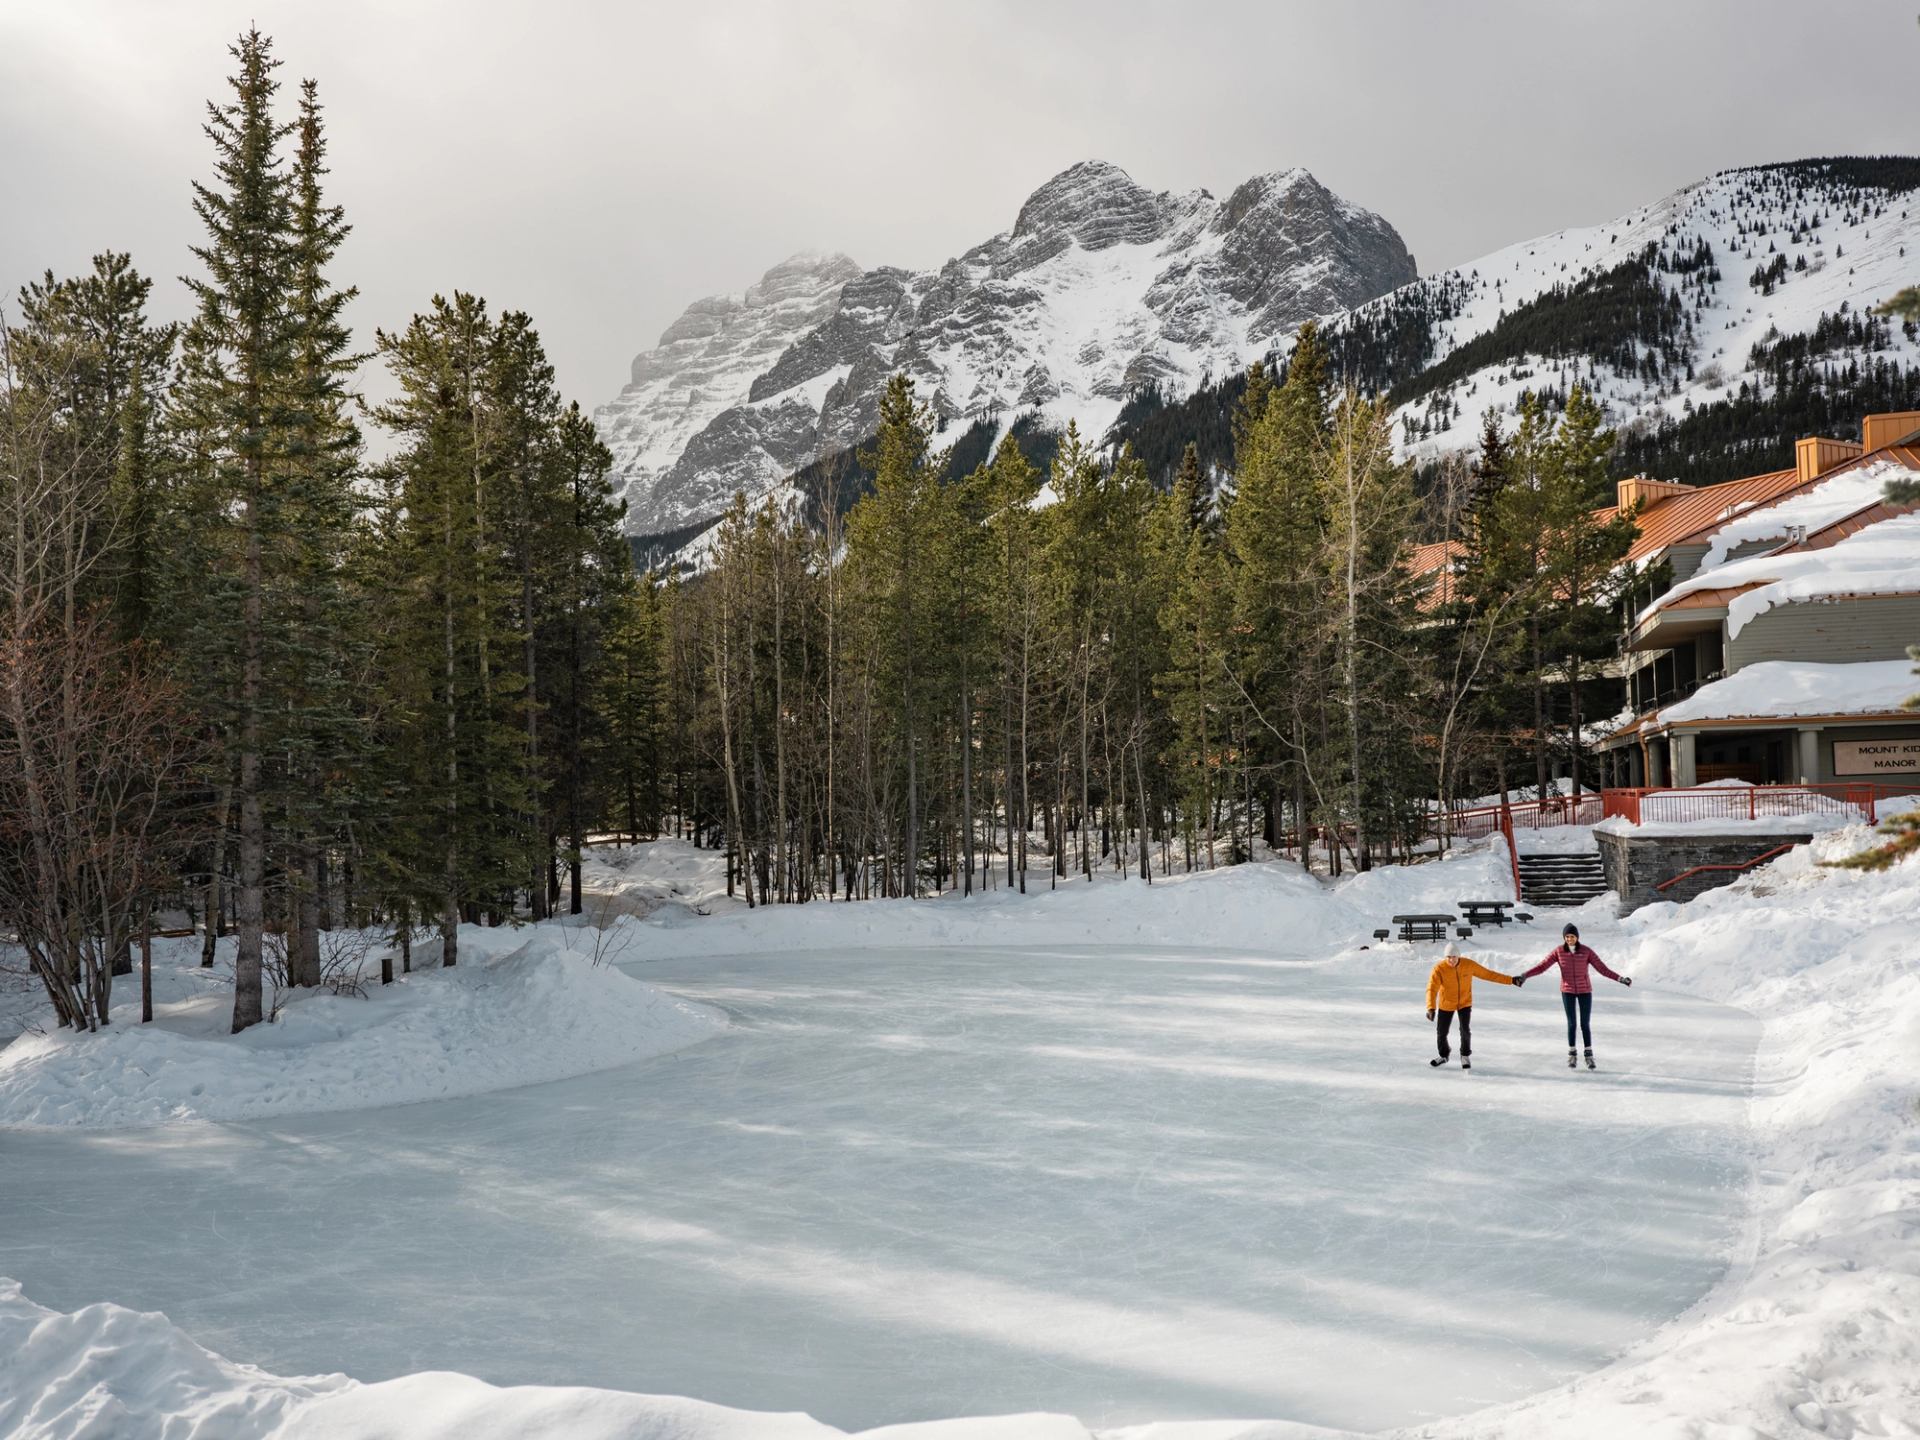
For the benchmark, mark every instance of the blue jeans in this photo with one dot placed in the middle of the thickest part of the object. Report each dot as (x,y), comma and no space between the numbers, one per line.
(1585,1007)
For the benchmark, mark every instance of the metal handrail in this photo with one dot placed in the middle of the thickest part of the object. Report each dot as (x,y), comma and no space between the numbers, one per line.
(1748,865)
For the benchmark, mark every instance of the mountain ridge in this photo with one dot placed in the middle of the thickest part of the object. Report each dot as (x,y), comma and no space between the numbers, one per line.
(1716,324)
(1099,288)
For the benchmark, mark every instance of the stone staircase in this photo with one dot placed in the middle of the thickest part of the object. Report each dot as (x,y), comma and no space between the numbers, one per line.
(1562,880)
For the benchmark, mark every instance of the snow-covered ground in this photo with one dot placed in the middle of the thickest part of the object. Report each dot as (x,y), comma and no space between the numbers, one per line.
(521,1007)
(1199,1170)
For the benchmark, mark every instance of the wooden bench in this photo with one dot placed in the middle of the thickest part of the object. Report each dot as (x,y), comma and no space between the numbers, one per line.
(1424,927)
(1485,912)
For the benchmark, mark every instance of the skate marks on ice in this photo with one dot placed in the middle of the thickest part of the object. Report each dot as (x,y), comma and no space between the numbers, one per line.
(1122,1185)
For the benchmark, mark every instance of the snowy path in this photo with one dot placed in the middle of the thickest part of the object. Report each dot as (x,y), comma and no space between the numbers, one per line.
(1125,1185)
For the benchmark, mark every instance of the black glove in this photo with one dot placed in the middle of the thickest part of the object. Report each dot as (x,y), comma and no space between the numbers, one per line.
(1518,981)
(1429,1014)
(1626,979)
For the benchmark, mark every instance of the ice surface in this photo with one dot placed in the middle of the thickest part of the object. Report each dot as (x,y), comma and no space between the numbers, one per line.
(1126,1184)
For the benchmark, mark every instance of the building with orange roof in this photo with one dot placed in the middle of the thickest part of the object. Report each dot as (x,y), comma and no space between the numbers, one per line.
(1761,660)
(1776,654)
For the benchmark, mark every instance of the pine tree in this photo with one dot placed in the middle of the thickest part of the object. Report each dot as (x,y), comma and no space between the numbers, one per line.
(1190,482)
(325,648)
(458,610)
(1582,568)
(631,728)
(1370,506)
(889,540)
(1137,651)
(595,573)
(85,343)
(1196,619)
(1074,565)
(241,347)
(1273,533)
(1012,528)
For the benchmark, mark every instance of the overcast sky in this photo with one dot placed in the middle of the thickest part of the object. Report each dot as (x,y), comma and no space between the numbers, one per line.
(600,163)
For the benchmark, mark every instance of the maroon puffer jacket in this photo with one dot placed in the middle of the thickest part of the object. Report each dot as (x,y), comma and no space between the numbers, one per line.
(1574,979)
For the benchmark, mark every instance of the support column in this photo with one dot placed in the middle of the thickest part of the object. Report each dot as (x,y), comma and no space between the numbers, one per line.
(1656,762)
(1683,771)
(1808,748)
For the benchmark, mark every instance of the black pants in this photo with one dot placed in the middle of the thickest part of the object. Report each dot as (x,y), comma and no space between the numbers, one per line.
(1583,1004)
(1443,1022)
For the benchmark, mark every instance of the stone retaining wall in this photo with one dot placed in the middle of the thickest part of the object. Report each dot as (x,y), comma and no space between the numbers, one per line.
(1635,864)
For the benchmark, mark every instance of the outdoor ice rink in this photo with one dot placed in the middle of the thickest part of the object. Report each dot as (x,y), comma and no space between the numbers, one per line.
(1126,1185)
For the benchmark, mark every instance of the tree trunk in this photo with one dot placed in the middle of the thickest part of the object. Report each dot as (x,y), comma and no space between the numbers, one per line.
(146,964)
(251,882)
(306,922)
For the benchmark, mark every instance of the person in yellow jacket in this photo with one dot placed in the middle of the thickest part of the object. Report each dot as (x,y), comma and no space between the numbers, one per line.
(1450,993)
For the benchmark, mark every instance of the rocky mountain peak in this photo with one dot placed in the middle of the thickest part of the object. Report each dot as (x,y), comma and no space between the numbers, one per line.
(1094,204)
(1277,186)
(1102,287)
(800,277)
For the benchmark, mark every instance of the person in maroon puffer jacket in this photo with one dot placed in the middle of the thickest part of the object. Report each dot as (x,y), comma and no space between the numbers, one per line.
(1576,986)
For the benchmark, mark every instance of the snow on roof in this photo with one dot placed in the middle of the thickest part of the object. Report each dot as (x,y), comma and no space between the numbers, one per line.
(1800,687)
(1670,519)
(1882,559)
(1813,508)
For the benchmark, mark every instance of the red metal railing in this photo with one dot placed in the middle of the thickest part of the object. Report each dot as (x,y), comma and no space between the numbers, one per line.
(1748,802)
(1743,865)
(1700,802)
(1521,814)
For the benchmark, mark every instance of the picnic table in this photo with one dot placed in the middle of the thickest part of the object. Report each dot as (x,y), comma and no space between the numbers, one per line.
(1485,912)
(1426,927)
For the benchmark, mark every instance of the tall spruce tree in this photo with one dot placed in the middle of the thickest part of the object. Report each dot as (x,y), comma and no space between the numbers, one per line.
(890,538)
(1196,619)
(1370,505)
(1583,560)
(326,642)
(241,346)
(1274,530)
(457,616)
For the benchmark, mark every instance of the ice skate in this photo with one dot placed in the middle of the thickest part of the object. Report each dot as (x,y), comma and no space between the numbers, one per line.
(1573,1060)
(1590,1064)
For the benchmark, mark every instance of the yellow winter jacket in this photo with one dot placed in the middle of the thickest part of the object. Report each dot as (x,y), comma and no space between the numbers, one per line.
(1450,986)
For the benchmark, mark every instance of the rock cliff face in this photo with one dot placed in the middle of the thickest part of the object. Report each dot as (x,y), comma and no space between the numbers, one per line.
(1100,288)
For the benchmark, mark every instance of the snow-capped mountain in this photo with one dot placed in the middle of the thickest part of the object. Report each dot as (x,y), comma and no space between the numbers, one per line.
(703,368)
(1100,289)
(1717,326)
(1764,278)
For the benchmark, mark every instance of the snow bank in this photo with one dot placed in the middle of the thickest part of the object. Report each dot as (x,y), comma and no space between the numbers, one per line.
(522,1007)
(105,1371)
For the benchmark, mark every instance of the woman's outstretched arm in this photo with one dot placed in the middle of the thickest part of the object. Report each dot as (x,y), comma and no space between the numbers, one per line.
(1601,966)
